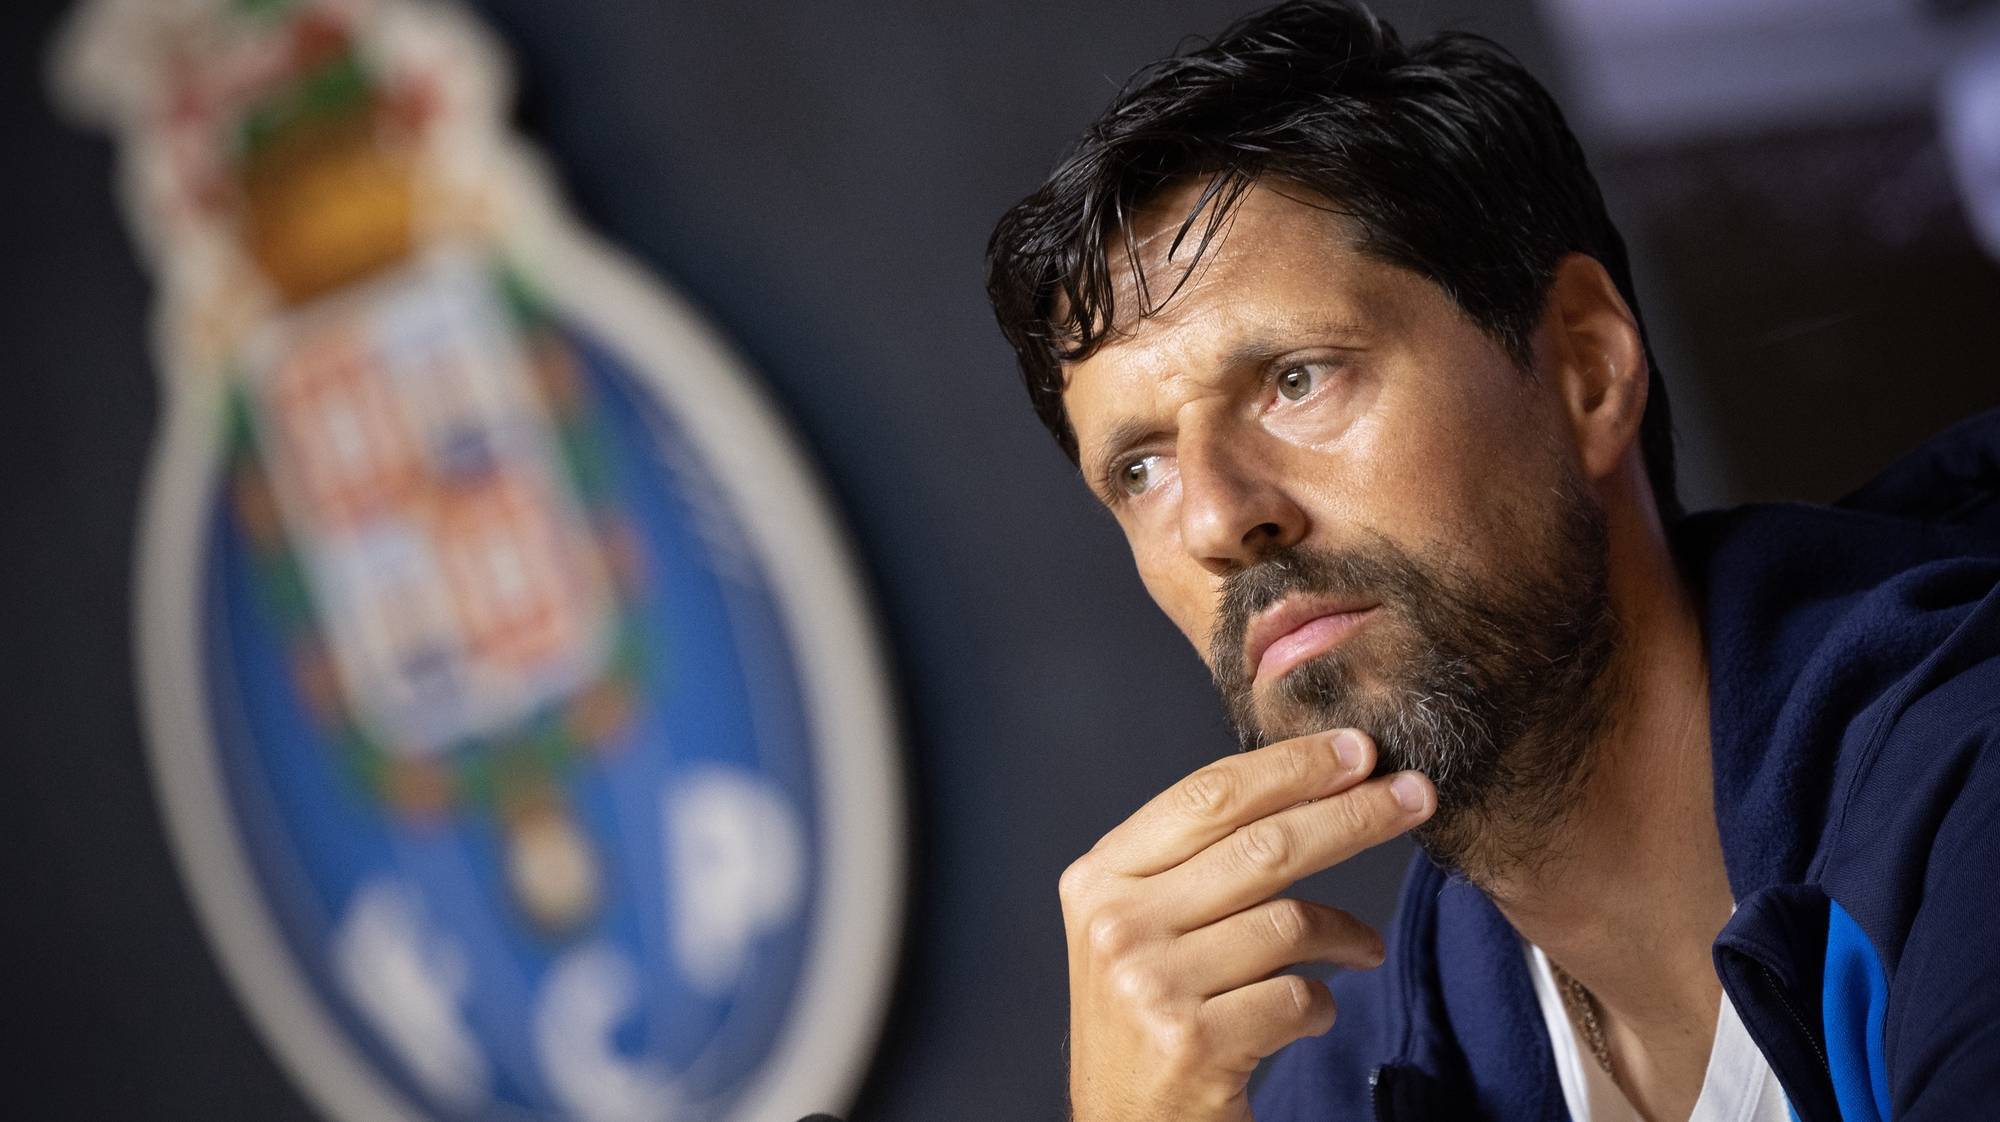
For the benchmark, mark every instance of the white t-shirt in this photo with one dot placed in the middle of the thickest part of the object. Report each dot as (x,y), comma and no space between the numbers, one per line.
(1739,1087)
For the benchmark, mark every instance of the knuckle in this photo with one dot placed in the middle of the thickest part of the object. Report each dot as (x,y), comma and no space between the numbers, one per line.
(1264,846)
(1292,921)
(1360,815)
(1214,1095)
(1298,763)
(1074,884)
(1298,996)
(1142,987)
(1178,1040)
(1208,794)
(1110,933)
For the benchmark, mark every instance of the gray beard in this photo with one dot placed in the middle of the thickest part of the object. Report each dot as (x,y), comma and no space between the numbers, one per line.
(1497,688)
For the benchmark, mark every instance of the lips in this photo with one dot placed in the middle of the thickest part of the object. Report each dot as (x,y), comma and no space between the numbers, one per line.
(1295,630)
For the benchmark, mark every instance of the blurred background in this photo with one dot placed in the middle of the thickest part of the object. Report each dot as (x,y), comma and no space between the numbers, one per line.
(1803,182)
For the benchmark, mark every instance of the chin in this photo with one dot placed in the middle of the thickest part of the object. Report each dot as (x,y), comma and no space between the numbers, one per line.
(1300,703)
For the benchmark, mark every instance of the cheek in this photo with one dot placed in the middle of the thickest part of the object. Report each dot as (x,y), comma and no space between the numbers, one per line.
(1183,590)
(1448,473)
(1377,480)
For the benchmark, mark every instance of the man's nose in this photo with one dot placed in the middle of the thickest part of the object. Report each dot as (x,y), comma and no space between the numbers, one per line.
(1235,506)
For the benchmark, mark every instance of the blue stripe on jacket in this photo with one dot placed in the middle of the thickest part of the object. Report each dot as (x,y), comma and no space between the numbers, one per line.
(1854,1004)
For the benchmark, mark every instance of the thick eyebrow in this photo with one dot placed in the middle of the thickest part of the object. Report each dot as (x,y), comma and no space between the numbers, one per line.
(1285,337)
(1256,353)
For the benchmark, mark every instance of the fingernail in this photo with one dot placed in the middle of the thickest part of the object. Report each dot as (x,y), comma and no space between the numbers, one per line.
(1409,791)
(1347,749)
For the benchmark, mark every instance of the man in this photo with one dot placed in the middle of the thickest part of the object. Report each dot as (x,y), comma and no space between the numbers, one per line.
(1340,332)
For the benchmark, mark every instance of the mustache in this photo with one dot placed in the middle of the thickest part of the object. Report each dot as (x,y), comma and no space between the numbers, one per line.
(1383,573)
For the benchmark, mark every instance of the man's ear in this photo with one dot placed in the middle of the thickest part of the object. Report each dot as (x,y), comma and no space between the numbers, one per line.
(1597,361)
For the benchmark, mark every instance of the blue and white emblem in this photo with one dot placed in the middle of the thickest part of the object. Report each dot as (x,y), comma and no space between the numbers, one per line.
(516,712)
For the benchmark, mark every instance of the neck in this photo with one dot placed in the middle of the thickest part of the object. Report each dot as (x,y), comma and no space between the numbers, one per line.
(1633,879)
(1628,891)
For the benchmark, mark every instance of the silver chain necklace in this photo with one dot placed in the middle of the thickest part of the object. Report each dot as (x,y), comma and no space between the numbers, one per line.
(1583,1010)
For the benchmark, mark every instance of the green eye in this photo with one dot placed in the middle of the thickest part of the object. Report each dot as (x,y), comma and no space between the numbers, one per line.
(1296,382)
(1133,478)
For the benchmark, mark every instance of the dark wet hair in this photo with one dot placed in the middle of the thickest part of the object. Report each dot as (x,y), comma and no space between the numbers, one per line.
(1449,158)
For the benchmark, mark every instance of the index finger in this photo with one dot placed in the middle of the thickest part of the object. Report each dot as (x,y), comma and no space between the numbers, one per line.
(1207,805)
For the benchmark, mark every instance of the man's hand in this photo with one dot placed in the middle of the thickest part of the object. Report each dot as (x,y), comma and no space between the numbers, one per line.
(1176,943)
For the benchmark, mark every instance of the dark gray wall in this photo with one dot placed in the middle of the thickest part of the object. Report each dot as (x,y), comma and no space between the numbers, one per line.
(822,182)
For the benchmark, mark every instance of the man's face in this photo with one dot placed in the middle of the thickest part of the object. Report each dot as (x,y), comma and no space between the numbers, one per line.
(1351,500)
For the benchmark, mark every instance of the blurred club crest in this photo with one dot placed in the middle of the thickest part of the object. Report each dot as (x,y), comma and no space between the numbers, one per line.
(517,716)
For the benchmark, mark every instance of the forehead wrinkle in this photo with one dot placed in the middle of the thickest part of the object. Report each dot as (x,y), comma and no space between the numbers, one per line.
(1170,216)
(1160,225)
